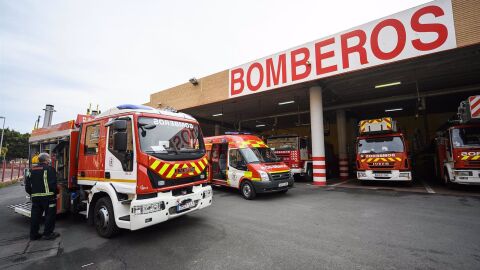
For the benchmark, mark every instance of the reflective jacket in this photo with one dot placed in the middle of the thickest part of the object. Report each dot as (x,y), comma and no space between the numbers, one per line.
(41,181)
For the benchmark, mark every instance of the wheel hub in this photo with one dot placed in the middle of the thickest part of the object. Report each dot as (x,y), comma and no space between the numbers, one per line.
(103,217)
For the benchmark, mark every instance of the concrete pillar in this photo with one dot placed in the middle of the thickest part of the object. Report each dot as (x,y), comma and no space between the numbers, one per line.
(318,140)
(342,144)
(217,129)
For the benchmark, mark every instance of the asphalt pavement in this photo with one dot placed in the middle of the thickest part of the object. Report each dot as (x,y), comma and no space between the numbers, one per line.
(307,228)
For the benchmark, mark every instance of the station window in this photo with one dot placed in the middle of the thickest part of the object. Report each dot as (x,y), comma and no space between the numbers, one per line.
(92,136)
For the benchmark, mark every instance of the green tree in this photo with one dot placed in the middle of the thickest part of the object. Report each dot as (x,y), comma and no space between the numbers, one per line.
(16,144)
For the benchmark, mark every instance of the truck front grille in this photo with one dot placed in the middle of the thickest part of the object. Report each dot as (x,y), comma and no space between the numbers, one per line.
(280,176)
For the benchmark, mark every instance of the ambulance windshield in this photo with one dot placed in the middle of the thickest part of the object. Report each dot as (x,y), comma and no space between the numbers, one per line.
(259,155)
(380,145)
(466,137)
(170,140)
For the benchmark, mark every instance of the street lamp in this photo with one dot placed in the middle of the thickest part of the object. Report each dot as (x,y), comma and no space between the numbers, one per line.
(1,139)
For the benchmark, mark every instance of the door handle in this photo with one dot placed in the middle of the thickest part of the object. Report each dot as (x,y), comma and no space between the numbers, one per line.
(107,175)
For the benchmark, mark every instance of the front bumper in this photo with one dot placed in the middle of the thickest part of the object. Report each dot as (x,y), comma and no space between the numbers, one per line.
(169,204)
(474,179)
(394,175)
(297,171)
(272,186)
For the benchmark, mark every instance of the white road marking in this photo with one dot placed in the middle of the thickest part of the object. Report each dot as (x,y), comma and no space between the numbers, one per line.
(428,188)
(88,264)
(343,182)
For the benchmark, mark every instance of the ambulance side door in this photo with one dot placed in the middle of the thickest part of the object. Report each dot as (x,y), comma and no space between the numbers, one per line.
(236,167)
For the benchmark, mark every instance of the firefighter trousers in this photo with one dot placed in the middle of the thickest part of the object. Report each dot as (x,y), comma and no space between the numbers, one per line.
(41,205)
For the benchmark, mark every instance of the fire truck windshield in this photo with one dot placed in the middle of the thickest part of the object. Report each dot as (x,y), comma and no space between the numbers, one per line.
(380,145)
(283,144)
(466,137)
(259,155)
(170,140)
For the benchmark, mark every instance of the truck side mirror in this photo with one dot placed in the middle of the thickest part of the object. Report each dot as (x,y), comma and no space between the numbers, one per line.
(120,141)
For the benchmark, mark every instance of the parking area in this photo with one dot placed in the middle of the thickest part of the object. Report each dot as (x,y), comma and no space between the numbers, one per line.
(307,228)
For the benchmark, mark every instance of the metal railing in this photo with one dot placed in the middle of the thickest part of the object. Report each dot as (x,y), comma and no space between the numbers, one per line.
(11,171)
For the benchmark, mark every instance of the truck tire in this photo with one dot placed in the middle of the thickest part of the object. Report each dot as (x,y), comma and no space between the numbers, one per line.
(104,218)
(309,173)
(247,190)
(446,179)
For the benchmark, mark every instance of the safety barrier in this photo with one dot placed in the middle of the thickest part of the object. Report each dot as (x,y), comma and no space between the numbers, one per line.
(10,171)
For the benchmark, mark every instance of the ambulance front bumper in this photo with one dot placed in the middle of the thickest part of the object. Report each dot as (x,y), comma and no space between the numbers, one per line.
(165,206)
(393,175)
(272,186)
(466,177)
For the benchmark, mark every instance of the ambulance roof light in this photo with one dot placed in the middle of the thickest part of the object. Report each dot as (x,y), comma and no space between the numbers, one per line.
(133,107)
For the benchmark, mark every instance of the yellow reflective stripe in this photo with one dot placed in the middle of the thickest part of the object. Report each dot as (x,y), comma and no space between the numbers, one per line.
(164,168)
(399,159)
(475,157)
(370,159)
(172,171)
(383,159)
(465,158)
(107,180)
(255,179)
(201,164)
(376,160)
(197,170)
(391,159)
(205,160)
(155,164)
(42,194)
(247,174)
(45,181)
(279,171)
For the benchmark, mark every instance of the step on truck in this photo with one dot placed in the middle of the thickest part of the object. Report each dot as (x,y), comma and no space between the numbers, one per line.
(458,146)
(382,153)
(130,167)
(246,163)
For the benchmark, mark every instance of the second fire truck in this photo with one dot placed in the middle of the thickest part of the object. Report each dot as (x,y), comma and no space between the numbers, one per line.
(458,146)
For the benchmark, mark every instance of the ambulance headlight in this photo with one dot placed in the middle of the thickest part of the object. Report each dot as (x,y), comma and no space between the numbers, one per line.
(463,173)
(264,176)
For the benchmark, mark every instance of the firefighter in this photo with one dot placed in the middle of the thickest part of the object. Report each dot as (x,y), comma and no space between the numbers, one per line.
(41,184)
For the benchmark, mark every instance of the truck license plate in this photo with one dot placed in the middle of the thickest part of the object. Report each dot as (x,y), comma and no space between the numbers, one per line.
(382,175)
(283,184)
(185,205)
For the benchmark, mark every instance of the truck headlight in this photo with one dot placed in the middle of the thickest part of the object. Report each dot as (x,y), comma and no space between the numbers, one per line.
(147,208)
(405,175)
(264,176)
(463,173)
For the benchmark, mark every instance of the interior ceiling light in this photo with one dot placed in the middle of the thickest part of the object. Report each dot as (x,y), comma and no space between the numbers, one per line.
(387,84)
(394,110)
(260,125)
(286,102)
(218,114)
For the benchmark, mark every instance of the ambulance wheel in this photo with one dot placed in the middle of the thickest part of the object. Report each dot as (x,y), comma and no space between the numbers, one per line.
(248,192)
(104,218)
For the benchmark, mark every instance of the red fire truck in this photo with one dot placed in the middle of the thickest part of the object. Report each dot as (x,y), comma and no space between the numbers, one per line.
(382,153)
(129,167)
(295,152)
(458,146)
(245,162)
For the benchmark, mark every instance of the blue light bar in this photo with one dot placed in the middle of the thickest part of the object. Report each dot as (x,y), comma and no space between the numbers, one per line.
(133,107)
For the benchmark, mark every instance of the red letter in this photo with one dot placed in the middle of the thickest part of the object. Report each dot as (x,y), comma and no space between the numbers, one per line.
(281,67)
(440,29)
(302,62)
(249,76)
(234,81)
(401,39)
(321,56)
(357,48)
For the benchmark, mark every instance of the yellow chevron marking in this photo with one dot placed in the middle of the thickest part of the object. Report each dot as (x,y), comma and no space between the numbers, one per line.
(383,159)
(201,164)
(391,159)
(172,171)
(197,170)
(155,164)
(163,169)
(465,158)
(363,160)
(398,159)
(205,160)
(475,157)
(375,160)
(370,159)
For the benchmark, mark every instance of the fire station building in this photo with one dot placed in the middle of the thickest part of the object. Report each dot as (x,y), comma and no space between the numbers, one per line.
(415,66)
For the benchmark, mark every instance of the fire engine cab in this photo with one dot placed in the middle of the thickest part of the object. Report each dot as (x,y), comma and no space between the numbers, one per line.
(382,152)
(458,146)
(295,152)
(245,162)
(129,167)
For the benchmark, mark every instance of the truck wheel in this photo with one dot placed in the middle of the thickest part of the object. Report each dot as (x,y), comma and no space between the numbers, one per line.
(309,173)
(248,192)
(447,181)
(104,218)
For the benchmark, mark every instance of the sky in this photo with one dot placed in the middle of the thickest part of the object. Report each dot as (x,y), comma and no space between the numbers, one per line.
(73,53)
